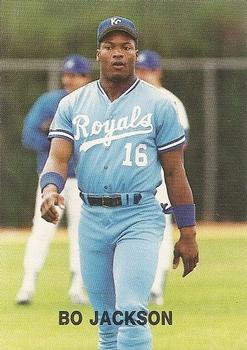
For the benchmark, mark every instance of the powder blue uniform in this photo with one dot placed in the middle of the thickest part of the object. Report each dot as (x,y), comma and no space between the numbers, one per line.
(116,147)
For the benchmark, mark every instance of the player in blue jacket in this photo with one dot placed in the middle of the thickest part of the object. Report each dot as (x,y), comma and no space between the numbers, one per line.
(75,73)
(120,131)
(148,68)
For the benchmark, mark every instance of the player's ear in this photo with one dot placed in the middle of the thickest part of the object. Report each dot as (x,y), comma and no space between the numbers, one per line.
(137,53)
(98,55)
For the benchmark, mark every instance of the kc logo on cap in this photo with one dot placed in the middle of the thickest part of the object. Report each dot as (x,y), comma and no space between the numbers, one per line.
(116,23)
(69,64)
(115,20)
(76,64)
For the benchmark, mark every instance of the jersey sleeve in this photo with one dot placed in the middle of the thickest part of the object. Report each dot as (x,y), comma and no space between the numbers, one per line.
(61,126)
(170,133)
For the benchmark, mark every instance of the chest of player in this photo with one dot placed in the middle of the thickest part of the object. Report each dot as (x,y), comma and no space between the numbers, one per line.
(101,122)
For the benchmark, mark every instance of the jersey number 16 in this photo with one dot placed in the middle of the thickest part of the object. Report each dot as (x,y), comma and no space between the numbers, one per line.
(140,157)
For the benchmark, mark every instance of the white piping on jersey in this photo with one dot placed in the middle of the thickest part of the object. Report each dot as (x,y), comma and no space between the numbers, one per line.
(60,133)
(172,144)
(125,93)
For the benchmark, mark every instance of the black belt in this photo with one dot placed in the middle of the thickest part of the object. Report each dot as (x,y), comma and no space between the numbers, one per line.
(108,201)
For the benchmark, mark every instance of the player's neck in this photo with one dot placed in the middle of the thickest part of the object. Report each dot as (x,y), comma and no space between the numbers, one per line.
(115,89)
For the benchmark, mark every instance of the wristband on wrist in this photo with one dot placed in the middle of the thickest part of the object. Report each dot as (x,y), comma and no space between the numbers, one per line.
(185,215)
(52,178)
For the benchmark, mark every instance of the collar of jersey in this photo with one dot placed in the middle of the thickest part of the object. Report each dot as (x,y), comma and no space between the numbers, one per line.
(132,87)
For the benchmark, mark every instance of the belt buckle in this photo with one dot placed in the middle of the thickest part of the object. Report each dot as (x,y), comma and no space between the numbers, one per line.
(103,201)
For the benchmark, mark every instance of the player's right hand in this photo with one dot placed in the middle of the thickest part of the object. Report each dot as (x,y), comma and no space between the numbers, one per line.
(186,248)
(48,206)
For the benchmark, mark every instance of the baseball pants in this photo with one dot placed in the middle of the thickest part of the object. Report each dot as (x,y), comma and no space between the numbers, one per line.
(166,247)
(119,250)
(165,257)
(43,231)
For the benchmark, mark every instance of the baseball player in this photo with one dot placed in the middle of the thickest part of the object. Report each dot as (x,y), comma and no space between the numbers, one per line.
(120,131)
(75,73)
(148,68)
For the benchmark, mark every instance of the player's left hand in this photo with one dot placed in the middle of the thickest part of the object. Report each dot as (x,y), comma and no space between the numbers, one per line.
(186,248)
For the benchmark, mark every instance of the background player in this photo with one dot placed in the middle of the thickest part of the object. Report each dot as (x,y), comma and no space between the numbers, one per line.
(120,129)
(75,73)
(148,68)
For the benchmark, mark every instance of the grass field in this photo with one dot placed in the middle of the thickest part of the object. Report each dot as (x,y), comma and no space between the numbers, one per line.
(209,306)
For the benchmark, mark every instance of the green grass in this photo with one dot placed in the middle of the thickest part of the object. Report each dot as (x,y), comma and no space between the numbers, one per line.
(209,306)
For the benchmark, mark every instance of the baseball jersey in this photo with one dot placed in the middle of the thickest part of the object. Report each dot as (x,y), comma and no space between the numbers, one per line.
(182,115)
(116,143)
(33,137)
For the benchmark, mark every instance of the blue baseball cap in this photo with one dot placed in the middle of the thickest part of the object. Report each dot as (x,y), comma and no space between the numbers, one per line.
(116,23)
(76,64)
(148,59)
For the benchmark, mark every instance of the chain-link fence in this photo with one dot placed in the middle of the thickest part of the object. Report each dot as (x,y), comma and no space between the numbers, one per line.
(214,94)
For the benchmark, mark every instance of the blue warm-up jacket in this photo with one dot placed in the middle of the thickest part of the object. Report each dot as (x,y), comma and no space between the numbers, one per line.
(33,137)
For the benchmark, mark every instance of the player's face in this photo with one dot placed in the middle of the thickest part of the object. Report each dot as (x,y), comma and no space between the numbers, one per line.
(117,56)
(72,82)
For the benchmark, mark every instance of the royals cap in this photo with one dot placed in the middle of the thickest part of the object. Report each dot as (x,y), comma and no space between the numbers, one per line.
(76,64)
(148,59)
(116,23)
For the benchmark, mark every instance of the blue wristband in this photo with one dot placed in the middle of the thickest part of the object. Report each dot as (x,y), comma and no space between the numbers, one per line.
(52,178)
(185,215)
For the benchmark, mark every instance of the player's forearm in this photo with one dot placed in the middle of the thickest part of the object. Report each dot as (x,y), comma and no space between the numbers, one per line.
(179,192)
(54,175)
(53,164)
(59,156)
(178,187)
(56,168)
(181,198)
